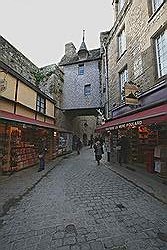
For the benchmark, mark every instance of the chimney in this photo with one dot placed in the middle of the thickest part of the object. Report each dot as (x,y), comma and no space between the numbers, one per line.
(70,49)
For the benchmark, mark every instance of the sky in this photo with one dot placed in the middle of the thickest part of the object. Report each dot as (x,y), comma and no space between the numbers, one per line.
(40,29)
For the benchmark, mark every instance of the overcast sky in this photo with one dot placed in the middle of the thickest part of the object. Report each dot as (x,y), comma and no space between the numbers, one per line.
(40,29)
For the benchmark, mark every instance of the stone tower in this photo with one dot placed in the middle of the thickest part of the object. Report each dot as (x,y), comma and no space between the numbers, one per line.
(82,88)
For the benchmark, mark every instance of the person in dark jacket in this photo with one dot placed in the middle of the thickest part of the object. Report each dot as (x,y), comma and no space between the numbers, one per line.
(78,145)
(124,145)
(91,141)
(98,149)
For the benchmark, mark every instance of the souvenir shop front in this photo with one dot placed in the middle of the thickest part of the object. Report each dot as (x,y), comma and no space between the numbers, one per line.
(145,133)
(62,142)
(20,142)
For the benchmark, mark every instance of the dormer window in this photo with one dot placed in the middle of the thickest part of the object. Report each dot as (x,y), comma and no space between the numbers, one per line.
(81,69)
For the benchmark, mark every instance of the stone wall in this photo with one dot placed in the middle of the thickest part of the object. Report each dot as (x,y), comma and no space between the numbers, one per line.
(17,61)
(51,82)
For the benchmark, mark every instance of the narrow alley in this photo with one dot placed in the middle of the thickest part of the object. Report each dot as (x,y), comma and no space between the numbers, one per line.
(78,205)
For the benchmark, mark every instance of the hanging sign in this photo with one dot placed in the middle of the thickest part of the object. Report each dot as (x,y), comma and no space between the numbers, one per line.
(131,94)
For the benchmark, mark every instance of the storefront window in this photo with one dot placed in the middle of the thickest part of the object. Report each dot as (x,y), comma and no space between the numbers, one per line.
(19,145)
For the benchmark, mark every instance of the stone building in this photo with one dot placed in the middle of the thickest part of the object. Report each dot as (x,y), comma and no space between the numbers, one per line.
(30,110)
(132,47)
(17,61)
(134,76)
(48,79)
(82,88)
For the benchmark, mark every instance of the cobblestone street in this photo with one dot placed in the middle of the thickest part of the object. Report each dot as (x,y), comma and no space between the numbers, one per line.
(81,206)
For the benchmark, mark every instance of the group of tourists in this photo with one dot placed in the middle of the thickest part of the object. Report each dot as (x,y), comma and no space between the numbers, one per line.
(122,149)
(97,144)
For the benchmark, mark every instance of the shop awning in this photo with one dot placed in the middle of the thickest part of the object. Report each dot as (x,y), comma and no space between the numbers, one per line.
(157,114)
(19,118)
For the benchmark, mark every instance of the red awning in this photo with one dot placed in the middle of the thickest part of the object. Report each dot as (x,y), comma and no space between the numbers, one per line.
(23,119)
(156,114)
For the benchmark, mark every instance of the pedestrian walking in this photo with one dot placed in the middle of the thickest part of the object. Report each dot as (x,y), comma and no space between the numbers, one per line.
(98,150)
(78,145)
(41,156)
(91,141)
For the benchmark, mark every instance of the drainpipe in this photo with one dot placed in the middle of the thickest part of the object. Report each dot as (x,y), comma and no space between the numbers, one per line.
(106,104)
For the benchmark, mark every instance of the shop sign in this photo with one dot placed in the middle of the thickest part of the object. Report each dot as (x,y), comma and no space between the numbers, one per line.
(131,91)
(126,125)
(3,85)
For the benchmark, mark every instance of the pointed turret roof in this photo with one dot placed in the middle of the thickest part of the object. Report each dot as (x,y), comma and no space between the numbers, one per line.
(83,47)
(83,54)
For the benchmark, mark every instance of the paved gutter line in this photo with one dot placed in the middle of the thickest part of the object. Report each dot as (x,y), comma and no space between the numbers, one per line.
(137,185)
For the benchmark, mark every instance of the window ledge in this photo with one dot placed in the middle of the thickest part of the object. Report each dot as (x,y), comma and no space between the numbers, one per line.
(119,58)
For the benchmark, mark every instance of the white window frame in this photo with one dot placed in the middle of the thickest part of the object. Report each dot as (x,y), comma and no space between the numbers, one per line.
(156,4)
(161,53)
(121,42)
(41,104)
(123,78)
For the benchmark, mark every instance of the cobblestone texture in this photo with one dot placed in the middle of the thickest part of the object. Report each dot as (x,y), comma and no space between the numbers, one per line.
(81,206)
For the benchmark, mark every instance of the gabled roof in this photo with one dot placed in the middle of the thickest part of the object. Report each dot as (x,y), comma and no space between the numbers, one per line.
(93,55)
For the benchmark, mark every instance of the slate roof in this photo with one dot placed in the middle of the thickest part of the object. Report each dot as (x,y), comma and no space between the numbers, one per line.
(93,55)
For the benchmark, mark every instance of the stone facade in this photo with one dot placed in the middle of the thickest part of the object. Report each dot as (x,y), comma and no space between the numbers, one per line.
(74,84)
(140,25)
(51,82)
(17,61)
